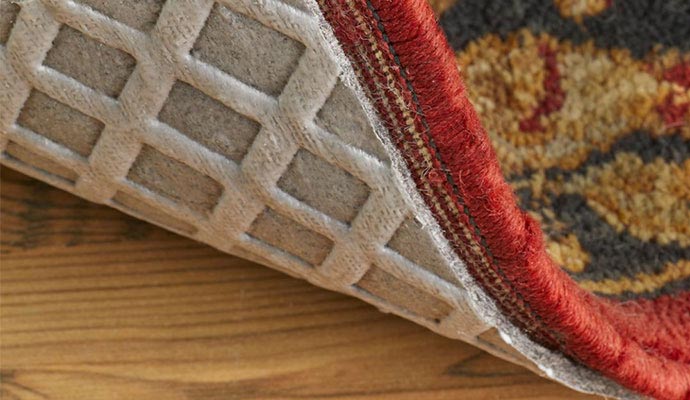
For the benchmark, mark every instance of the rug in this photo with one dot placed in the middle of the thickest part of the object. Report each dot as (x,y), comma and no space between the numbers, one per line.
(583,108)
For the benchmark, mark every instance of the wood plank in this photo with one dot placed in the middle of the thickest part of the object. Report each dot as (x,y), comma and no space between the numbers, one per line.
(98,305)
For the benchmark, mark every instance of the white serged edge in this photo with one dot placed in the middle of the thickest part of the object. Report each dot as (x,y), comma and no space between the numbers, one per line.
(554,365)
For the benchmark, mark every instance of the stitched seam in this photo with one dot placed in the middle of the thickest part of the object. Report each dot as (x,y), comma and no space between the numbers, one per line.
(449,177)
(502,277)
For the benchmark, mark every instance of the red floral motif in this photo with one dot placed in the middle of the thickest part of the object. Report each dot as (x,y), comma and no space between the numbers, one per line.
(555,96)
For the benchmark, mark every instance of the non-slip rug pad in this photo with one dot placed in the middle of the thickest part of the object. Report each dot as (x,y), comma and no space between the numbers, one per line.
(231,123)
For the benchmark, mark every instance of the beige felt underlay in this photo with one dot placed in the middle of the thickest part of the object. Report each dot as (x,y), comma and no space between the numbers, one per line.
(227,122)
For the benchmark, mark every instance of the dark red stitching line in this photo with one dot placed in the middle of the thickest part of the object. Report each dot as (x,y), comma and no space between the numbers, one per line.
(536,317)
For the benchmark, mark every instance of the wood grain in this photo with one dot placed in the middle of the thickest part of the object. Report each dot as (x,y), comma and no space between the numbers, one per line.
(98,305)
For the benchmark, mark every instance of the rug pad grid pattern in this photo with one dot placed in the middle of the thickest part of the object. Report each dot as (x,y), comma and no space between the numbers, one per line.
(239,193)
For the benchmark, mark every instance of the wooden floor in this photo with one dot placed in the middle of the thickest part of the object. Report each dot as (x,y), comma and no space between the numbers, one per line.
(97,305)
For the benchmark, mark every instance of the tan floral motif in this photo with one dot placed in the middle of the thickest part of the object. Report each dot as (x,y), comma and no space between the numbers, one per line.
(607,94)
(578,9)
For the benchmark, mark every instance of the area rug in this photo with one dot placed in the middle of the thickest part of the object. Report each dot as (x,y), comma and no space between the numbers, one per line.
(539,210)
(583,109)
